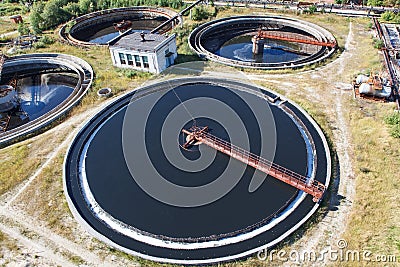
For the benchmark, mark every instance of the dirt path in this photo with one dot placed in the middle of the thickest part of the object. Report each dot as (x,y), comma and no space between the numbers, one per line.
(51,248)
(32,250)
(326,234)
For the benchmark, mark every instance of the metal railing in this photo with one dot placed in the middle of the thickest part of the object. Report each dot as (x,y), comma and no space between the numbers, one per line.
(315,188)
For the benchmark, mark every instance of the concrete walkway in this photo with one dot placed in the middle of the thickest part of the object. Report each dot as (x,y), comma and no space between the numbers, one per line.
(8,34)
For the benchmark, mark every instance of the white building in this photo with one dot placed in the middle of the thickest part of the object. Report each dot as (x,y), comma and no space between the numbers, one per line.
(146,52)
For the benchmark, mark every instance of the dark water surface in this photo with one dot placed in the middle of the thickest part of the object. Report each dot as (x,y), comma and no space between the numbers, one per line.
(116,191)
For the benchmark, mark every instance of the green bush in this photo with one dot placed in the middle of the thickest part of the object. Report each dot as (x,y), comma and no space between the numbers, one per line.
(388,16)
(49,14)
(131,74)
(312,9)
(394,121)
(200,13)
(47,40)
(375,2)
(378,43)
(23,29)
(395,131)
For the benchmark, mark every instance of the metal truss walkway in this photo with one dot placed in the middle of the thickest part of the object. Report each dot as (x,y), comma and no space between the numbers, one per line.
(200,134)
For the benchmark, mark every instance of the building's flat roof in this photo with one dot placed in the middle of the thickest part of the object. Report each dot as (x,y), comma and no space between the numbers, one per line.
(134,41)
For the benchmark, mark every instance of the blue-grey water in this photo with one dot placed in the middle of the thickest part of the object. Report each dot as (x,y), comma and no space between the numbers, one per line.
(240,48)
(36,99)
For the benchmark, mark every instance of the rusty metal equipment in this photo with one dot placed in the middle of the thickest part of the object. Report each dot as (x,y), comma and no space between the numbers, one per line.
(196,135)
(262,34)
(123,25)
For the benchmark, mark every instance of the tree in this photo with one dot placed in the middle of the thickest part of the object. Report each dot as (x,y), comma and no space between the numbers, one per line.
(87,6)
(23,29)
(53,14)
(200,13)
(36,17)
(73,9)
(312,9)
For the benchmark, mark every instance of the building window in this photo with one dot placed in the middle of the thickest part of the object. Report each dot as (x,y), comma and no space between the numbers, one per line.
(138,63)
(122,58)
(145,62)
(130,59)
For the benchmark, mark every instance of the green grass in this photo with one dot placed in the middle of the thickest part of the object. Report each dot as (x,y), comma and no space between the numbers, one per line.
(374,219)
(8,9)
(393,120)
(17,163)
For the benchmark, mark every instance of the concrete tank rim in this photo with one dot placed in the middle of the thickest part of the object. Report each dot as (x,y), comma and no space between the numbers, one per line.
(85,78)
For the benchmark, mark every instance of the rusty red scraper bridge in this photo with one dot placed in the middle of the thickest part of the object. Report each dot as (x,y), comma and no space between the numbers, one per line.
(286,37)
(201,135)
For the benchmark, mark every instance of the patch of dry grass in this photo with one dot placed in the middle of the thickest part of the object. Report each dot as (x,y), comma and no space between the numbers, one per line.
(18,162)
(45,200)
(6,25)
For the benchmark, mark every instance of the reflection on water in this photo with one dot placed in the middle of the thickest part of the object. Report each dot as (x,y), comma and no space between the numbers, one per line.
(275,51)
(107,33)
(39,95)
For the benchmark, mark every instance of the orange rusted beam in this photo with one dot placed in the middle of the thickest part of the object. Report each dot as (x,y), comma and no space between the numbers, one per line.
(284,37)
(314,188)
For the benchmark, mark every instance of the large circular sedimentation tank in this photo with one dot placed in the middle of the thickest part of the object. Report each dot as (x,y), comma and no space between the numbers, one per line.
(229,41)
(46,87)
(97,28)
(130,183)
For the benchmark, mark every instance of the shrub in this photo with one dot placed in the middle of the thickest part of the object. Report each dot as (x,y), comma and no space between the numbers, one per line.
(47,40)
(312,9)
(23,29)
(394,121)
(200,13)
(378,43)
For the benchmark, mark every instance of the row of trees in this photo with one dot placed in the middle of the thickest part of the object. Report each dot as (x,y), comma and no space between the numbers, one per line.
(390,16)
(47,15)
